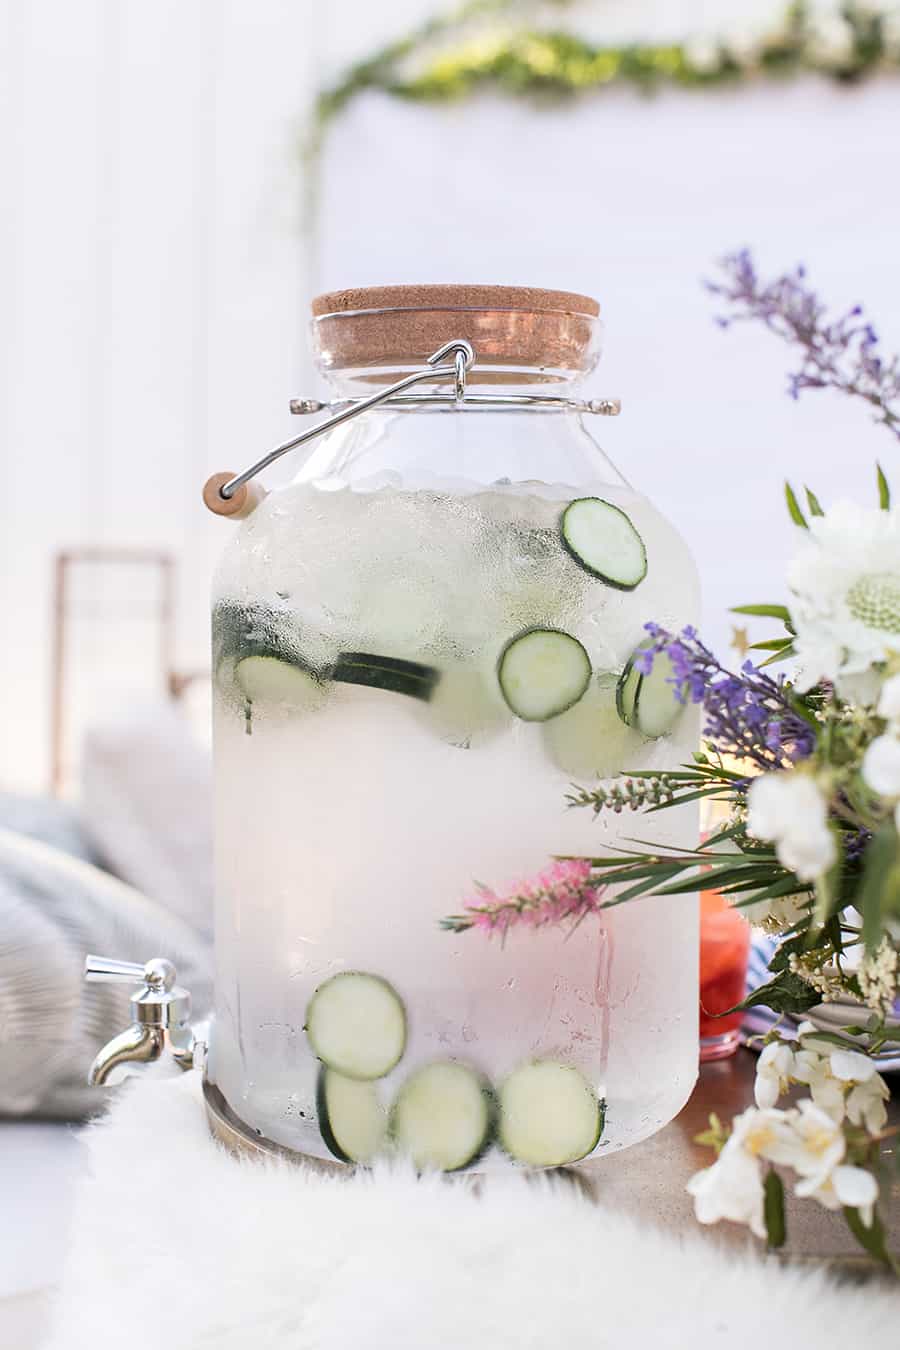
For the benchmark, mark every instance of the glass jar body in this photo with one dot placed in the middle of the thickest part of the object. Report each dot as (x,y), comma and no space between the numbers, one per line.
(366,801)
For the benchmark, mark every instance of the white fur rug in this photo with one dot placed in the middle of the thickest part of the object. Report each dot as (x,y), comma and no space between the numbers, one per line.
(177,1244)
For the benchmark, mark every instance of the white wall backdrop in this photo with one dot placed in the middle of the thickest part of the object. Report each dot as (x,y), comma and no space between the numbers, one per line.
(632,200)
(154,275)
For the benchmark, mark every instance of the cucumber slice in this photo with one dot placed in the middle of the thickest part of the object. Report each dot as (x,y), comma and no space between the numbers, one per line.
(352,1120)
(602,540)
(649,703)
(549,1114)
(269,679)
(386,672)
(542,672)
(465,708)
(591,740)
(356,1024)
(444,1116)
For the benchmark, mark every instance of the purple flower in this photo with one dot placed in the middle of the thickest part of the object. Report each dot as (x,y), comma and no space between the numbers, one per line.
(836,353)
(749,715)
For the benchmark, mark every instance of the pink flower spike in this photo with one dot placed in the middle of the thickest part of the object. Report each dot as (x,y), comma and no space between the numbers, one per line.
(558,893)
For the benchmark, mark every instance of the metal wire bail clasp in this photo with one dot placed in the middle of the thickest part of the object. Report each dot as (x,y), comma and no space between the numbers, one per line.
(463,354)
(229,495)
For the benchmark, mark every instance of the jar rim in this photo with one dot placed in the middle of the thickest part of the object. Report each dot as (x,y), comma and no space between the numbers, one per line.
(450,295)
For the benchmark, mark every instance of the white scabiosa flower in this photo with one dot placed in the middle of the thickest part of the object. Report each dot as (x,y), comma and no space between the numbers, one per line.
(790,810)
(845,581)
(777,916)
(881,765)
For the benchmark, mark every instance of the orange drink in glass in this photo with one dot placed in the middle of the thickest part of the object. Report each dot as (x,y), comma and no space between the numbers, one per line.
(724,949)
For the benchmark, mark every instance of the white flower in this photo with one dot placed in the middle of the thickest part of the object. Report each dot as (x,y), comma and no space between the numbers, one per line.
(866,1104)
(845,581)
(878,972)
(815,1148)
(889,702)
(826,1091)
(832,41)
(851,1066)
(789,809)
(776,916)
(773,1073)
(881,765)
(845,1185)
(731,1189)
(703,54)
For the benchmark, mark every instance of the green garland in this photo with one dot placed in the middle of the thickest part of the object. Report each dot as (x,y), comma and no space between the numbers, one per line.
(856,42)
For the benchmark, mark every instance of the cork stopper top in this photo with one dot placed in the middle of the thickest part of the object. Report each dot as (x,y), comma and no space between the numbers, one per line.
(512,328)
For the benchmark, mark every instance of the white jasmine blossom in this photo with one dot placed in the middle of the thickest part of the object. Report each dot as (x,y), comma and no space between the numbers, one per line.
(878,974)
(881,765)
(866,1104)
(703,54)
(791,811)
(845,581)
(773,1073)
(816,1146)
(731,1189)
(845,1185)
(826,1091)
(851,1066)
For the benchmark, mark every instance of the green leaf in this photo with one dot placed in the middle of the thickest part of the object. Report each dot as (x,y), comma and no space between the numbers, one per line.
(771,645)
(773,1209)
(813,502)
(783,655)
(763,611)
(881,860)
(872,1239)
(793,507)
(786,993)
(827,892)
(884,491)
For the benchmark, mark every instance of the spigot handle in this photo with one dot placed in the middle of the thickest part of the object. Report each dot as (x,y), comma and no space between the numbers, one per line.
(156,974)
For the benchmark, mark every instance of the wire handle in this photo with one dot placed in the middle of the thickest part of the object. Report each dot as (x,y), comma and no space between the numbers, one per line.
(222,496)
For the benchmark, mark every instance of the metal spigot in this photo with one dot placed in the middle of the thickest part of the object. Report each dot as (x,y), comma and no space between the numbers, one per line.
(160,1013)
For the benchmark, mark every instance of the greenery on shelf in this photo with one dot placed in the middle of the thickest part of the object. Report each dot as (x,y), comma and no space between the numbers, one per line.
(445,60)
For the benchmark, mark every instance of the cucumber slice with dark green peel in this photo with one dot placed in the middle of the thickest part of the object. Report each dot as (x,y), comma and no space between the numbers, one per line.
(356,1024)
(444,1116)
(627,688)
(550,1115)
(386,672)
(602,540)
(269,679)
(542,672)
(591,740)
(352,1119)
(649,703)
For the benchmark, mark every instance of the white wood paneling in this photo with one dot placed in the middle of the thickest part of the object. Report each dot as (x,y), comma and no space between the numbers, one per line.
(152,275)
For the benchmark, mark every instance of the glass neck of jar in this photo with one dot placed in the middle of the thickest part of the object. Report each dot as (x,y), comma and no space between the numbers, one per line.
(482,379)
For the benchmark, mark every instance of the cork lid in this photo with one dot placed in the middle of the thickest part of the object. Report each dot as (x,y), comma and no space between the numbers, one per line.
(511,328)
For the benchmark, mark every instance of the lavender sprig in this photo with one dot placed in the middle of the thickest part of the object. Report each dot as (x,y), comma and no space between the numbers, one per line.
(837,353)
(749,715)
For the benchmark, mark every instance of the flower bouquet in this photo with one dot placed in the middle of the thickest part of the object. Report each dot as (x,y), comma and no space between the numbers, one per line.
(807,767)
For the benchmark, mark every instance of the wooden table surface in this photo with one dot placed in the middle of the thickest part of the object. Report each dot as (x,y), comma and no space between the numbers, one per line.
(649,1180)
